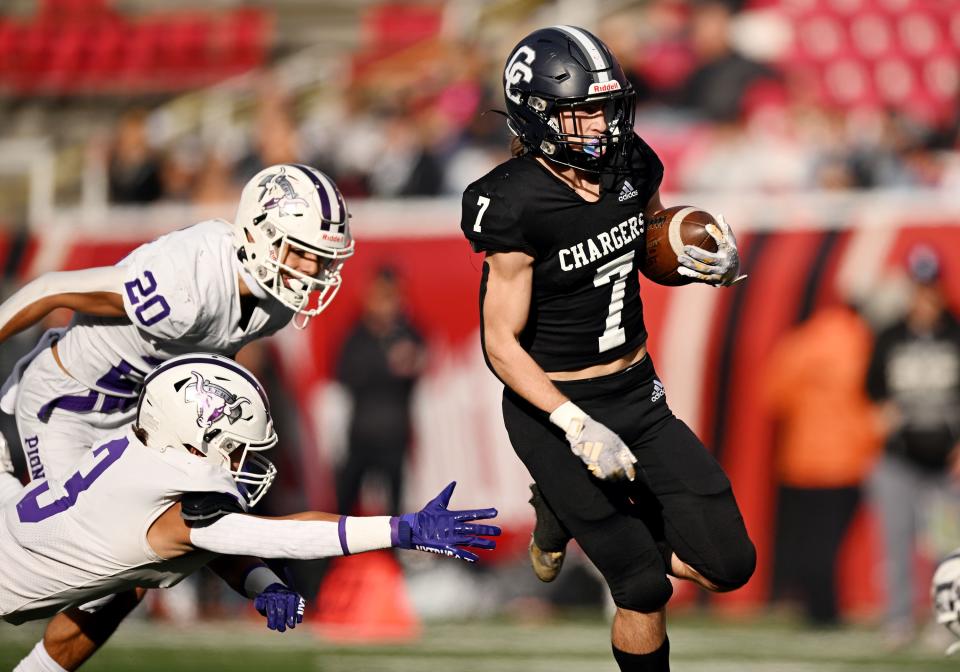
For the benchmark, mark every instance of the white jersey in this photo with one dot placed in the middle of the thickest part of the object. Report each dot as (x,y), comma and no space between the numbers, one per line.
(181,295)
(69,541)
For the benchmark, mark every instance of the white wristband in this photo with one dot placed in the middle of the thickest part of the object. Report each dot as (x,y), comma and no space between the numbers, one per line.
(366,533)
(258,579)
(569,417)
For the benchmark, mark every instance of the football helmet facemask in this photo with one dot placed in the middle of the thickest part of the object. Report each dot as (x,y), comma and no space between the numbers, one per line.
(293,207)
(212,407)
(557,75)
(945,593)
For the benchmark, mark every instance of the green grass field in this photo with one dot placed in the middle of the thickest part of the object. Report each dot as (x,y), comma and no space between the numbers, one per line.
(698,644)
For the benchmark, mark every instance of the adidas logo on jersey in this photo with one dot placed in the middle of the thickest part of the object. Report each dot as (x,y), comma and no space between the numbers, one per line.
(627,191)
(658,391)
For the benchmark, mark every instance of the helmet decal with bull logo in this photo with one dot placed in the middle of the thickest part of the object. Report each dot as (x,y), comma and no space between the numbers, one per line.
(282,195)
(213,401)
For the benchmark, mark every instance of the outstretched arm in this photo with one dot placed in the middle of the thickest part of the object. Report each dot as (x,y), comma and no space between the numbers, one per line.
(94,291)
(312,535)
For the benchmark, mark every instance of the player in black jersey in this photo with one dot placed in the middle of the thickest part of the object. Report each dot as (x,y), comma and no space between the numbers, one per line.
(562,226)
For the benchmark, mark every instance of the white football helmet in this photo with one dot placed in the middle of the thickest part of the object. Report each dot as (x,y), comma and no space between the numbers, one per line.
(293,207)
(216,407)
(945,593)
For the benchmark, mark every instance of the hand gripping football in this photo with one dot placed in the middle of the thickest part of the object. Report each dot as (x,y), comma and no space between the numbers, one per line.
(666,234)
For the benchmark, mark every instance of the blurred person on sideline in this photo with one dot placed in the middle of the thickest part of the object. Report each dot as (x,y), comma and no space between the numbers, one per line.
(561,225)
(213,286)
(133,168)
(826,445)
(379,365)
(914,375)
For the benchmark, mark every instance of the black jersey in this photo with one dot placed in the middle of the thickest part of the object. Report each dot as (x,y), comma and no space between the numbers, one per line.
(585,307)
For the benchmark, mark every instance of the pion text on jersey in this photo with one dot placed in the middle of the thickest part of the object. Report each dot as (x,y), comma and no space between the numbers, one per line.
(604,243)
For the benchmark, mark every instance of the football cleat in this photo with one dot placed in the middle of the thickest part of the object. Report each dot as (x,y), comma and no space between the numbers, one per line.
(548,543)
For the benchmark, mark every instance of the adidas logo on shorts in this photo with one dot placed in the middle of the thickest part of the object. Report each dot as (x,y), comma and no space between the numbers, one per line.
(627,191)
(658,391)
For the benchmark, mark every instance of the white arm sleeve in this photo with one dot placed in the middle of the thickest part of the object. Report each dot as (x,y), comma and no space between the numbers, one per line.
(104,279)
(239,534)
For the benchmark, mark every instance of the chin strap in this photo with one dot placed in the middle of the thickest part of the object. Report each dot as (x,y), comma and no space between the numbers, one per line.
(249,280)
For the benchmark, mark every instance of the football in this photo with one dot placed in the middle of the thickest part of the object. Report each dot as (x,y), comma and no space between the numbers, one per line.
(667,232)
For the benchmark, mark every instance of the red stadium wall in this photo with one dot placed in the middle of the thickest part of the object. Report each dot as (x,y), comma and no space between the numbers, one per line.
(709,345)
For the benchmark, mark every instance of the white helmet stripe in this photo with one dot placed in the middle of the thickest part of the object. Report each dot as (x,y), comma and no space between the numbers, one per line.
(590,48)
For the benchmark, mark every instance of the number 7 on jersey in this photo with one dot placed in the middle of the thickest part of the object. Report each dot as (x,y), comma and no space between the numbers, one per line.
(484,203)
(614,334)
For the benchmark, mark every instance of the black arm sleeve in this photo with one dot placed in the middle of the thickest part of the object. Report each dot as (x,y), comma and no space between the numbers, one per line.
(200,509)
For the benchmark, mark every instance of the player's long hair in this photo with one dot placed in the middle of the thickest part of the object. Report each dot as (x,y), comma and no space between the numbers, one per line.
(517,148)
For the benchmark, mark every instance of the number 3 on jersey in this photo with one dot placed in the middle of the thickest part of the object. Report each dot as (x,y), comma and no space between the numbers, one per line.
(154,308)
(41,503)
(613,334)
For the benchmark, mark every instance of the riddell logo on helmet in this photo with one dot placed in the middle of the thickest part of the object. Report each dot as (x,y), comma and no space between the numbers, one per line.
(604,87)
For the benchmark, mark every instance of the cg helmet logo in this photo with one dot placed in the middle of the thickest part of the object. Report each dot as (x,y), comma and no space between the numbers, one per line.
(518,71)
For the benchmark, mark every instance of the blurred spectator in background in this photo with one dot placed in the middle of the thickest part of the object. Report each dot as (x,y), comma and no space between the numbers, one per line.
(716,86)
(379,365)
(276,139)
(406,166)
(914,374)
(825,447)
(134,168)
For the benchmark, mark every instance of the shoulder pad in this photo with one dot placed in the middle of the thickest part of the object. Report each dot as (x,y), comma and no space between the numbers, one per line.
(491,211)
(200,509)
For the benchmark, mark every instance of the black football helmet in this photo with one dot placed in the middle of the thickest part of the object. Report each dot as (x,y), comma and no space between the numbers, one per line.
(553,72)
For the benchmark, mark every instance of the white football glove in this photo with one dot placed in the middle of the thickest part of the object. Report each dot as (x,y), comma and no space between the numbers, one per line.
(720,268)
(605,454)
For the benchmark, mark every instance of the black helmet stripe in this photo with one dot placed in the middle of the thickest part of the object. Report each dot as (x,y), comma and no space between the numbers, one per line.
(588,45)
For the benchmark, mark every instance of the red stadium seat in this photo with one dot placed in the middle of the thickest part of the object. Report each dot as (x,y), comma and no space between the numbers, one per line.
(64,68)
(895,80)
(844,7)
(871,34)
(821,37)
(918,33)
(940,76)
(105,51)
(141,52)
(246,34)
(847,82)
(8,45)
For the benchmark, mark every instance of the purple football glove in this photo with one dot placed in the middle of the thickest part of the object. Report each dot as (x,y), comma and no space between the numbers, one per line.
(434,529)
(282,607)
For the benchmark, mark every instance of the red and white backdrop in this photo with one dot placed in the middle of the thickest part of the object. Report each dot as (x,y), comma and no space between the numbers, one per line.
(709,344)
